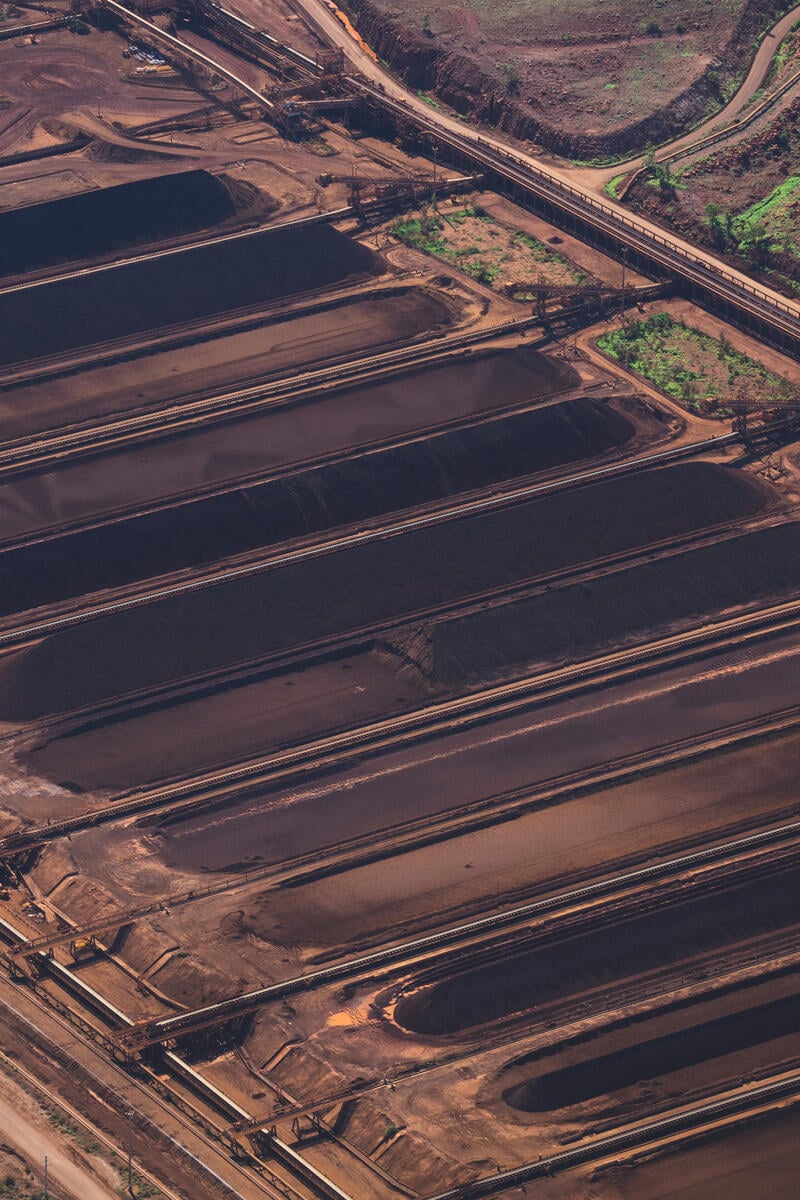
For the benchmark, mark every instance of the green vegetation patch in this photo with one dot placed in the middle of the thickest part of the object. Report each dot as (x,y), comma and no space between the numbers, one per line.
(704,374)
(491,253)
(431,100)
(15,1187)
(778,214)
(768,227)
(743,199)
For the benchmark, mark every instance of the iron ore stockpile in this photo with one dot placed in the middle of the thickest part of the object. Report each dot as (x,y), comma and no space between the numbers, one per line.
(399,702)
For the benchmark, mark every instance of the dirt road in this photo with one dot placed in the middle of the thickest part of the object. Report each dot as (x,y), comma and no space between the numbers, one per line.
(755,78)
(35,1139)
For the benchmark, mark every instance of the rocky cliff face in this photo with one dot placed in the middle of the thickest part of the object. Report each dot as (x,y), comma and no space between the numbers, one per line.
(460,82)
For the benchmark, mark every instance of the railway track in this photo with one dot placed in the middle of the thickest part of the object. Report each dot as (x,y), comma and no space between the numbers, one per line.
(597,1148)
(15,1068)
(650,1133)
(763,838)
(598,900)
(668,253)
(29,1012)
(702,272)
(715,972)
(257,45)
(64,615)
(183,48)
(176,1091)
(444,716)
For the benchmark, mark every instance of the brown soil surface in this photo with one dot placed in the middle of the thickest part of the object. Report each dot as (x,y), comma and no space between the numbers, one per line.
(29,1137)
(279,610)
(336,459)
(586,258)
(190,286)
(125,860)
(486,250)
(66,74)
(73,1072)
(312,502)
(52,182)
(758,1162)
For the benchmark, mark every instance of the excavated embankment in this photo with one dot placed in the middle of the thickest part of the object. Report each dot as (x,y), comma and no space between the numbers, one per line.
(459,80)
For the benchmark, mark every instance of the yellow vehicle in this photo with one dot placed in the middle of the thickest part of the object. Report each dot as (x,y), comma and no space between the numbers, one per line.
(351,29)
